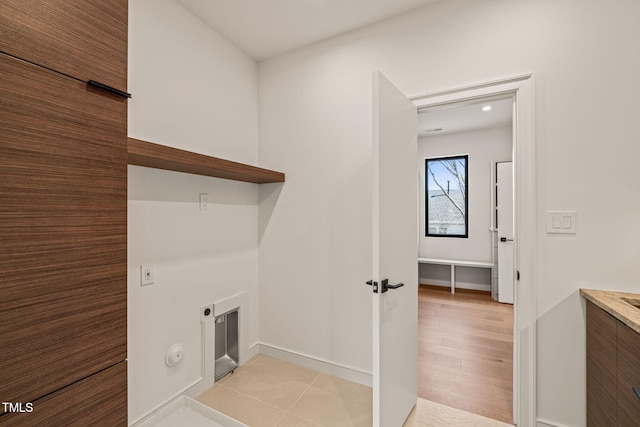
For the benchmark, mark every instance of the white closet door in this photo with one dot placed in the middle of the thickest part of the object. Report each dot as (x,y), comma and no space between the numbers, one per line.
(504,178)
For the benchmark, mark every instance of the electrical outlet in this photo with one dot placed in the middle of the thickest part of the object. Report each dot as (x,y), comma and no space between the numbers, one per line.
(206,312)
(204,202)
(147,274)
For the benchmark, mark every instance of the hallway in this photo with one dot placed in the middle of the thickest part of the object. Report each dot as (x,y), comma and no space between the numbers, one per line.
(466,351)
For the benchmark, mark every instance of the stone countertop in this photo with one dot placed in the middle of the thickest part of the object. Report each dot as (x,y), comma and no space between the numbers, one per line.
(612,303)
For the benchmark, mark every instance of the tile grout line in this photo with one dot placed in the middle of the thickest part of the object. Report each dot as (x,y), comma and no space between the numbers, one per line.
(255,399)
(252,398)
(288,412)
(284,412)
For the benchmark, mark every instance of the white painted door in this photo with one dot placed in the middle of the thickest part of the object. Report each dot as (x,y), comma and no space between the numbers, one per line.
(395,252)
(504,179)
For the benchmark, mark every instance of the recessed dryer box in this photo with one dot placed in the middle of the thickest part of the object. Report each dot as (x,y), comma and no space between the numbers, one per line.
(226,345)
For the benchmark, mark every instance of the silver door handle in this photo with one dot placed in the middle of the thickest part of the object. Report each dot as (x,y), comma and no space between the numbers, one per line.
(504,239)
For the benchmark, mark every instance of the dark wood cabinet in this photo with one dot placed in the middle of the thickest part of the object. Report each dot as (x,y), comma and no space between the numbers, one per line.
(98,400)
(63,222)
(63,212)
(628,377)
(602,367)
(85,39)
(613,370)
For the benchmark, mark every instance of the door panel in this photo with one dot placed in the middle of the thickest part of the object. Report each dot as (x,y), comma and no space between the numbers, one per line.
(63,230)
(395,249)
(86,39)
(504,175)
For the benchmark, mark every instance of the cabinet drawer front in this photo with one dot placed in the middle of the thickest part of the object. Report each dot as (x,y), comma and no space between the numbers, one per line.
(628,376)
(63,230)
(86,39)
(98,400)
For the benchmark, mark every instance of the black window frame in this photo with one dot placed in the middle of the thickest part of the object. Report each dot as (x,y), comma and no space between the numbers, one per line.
(466,195)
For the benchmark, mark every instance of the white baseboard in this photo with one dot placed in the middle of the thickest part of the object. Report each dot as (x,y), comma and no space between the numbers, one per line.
(460,285)
(148,414)
(253,350)
(324,366)
(198,388)
(546,423)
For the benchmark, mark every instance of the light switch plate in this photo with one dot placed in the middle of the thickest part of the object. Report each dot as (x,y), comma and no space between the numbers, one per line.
(561,222)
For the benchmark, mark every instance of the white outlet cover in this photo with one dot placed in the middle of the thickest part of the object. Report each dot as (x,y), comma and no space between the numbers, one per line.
(147,274)
(204,202)
(203,310)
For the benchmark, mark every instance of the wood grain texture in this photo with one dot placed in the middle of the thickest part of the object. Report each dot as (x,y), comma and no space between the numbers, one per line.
(601,367)
(466,351)
(98,400)
(616,304)
(143,153)
(628,376)
(63,230)
(86,39)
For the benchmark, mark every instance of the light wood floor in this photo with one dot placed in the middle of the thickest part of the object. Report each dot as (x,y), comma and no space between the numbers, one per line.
(466,351)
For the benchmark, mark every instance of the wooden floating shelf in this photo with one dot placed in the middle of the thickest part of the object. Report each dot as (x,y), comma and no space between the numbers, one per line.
(143,153)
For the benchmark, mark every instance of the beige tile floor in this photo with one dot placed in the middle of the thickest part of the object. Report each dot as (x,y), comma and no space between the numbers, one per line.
(267,392)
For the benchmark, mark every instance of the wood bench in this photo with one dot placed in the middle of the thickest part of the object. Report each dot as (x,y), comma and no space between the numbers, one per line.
(456,262)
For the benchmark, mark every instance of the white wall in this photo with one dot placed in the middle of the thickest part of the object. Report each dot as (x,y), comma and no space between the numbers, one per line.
(192,90)
(315,125)
(315,233)
(482,147)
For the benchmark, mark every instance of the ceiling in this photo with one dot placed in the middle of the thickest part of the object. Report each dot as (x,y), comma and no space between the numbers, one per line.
(267,28)
(465,118)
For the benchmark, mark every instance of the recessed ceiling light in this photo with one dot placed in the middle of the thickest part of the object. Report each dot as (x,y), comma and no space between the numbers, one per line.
(486,108)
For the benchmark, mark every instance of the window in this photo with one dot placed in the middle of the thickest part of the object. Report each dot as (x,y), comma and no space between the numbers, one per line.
(447,213)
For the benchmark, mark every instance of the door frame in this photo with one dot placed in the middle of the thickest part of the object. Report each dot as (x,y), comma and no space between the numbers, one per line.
(522,88)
